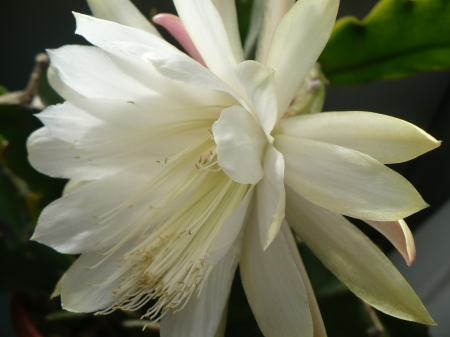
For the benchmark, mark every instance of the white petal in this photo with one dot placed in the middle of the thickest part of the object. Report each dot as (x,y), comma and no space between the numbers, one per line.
(181,68)
(298,41)
(101,33)
(101,155)
(206,28)
(274,286)
(319,327)
(387,139)
(73,185)
(109,118)
(271,196)
(96,215)
(88,290)
(227,11)
(259,84)
(354,259)
(346,181)
(230,230)
(400,236)
(274,11)
(91,72)
(59,86)
(104,33)
(121,11)
(203,315)
(240,145)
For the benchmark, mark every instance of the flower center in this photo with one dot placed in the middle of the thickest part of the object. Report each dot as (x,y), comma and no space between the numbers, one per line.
(166,262)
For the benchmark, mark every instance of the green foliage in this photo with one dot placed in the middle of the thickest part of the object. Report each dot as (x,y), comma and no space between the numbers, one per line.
(31,267)
(397,39)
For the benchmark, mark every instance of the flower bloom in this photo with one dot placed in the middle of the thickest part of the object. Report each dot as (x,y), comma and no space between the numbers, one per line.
(183,167)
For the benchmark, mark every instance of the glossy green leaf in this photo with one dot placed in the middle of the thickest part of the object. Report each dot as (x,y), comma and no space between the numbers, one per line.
(398,38)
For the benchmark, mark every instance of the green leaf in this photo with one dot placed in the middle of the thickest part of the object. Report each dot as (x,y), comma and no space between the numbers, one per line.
(398,38)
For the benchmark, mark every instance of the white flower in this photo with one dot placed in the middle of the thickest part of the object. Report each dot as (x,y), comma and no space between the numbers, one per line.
(180,171)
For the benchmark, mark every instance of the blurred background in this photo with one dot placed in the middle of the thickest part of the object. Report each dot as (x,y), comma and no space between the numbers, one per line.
(29,27)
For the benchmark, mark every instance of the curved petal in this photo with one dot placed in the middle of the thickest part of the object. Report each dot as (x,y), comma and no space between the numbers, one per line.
(59,86)
(240,145)
(319,327)
(176,28)
(274,11)
(297,43)
(274,286)
(94,120)
(121,11)
(387,139)
(206,28)
(86,289)
(354,259)
(101,213)
(203,314)
(346,181)
(101,155)
(230,230)
(92,73)
(258,82)
(271,197)
(400,236)
(181,68)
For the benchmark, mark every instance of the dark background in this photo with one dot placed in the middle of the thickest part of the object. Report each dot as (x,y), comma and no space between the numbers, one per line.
(28,27)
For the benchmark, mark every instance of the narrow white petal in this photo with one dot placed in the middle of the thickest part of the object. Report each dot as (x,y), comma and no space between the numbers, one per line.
(123,12)
(297,43)
(346,181)
(227,11)
(99,155)
(105,34)
(274,11)
(206,28)
(230,230)
(387,139)
(274,286)
(400,236)
(102,32)
(354,259)
(319,327)
(240,145)
(91,72)
(258,82)
(108,118)
(86,289)
(203,314)
(271,197)
(81,221)
(181,68)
